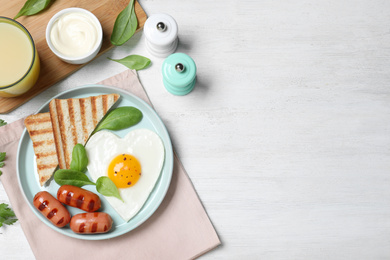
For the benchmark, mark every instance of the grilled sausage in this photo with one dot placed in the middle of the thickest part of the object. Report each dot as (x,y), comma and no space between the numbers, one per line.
(79,198)
(51,208)
(91,223)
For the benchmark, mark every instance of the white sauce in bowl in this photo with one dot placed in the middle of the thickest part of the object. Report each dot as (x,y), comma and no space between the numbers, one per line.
(74,34)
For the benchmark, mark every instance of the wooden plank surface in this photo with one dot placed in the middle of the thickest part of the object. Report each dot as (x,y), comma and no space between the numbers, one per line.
(52,68)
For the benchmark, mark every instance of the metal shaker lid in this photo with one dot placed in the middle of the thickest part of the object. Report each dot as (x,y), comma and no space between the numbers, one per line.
(179,73)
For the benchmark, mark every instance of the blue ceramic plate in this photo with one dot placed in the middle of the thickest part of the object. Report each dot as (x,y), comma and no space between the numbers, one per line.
(28,178)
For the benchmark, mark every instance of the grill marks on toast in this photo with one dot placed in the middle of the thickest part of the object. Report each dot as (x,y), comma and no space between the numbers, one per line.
(40,129)
(83,118)
(56,130)
(74,120)
(94,113)
(104,104)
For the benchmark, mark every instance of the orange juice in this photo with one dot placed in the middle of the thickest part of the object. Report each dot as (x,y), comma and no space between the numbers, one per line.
(19,62)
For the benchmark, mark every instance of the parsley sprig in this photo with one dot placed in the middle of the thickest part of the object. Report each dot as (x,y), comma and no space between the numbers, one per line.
(2,157)
(2,154)
(7,216)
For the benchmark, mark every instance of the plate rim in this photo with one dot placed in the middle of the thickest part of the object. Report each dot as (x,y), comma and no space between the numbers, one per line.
(167,163)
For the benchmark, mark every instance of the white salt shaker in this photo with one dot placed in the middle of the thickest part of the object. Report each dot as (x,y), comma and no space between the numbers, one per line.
(161,35)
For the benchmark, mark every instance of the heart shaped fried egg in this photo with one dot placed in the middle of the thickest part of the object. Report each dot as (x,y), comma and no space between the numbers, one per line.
(133,163)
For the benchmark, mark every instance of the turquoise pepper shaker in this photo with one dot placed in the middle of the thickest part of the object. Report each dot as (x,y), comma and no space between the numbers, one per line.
(179,74)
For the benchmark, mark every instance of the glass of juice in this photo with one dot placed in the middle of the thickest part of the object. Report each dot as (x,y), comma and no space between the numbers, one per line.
(19,61)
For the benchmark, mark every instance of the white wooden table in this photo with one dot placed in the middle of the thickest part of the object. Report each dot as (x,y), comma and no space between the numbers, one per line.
(286,136)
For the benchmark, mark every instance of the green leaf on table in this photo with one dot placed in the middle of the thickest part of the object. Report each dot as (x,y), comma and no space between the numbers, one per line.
(2,158)
(106,187)
(79,158)
(120,118)
(7,216)
(134,62)
(71,177)
(32,7)
(125,25)
(2,122)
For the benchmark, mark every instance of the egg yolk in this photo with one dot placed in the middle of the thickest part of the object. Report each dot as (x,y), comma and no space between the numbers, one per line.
(124,170)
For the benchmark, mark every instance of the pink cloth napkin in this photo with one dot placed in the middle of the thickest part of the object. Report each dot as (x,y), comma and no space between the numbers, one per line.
(179,229)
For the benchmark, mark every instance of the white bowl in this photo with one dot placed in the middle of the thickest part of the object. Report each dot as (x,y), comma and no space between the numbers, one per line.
(80,59)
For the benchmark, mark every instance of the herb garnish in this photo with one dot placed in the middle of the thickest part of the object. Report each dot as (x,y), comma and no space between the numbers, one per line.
(7,216)
(134,62)
(32,7)
(125,25)
(104,185)
(2,122)
(2,157)
(120,118)
(71,177)
(79,158)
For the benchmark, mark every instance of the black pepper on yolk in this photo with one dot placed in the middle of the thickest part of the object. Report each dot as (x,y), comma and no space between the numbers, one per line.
(124,170)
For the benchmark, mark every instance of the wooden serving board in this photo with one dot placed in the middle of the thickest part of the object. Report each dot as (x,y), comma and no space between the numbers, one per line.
(52,68)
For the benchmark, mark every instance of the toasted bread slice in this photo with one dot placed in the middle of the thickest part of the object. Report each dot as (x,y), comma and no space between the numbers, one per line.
(41,133)
(74,120)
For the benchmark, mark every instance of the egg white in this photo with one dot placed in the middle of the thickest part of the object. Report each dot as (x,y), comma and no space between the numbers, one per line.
(146,146)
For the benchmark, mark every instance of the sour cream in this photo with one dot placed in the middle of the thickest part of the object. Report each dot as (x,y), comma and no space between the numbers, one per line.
(74,34)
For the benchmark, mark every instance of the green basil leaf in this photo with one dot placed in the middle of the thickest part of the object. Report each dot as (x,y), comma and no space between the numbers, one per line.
(33,7)
(120,118)
(125,25)
(134,62)
(2,122)
(71,177)
(106,187)
(79,158)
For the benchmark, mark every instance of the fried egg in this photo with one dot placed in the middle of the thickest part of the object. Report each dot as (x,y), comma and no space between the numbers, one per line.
(133,163)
